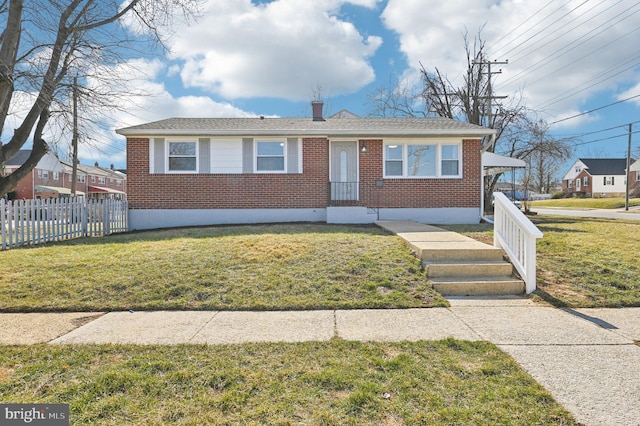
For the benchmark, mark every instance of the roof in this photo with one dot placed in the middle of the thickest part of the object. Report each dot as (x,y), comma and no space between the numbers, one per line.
(49,161)
(494,163)
(605,166)
(19,158)
(360,127)
(58,189)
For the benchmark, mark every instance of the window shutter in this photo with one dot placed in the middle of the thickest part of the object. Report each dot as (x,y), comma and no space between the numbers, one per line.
(158,155)
(247,155)
(613,180)
(292,155)
(205,155)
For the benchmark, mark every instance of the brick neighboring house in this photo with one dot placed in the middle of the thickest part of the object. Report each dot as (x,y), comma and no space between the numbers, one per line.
(595,178)
(634,179)
(44,181)
(52,178)
(98,182)
(198,171)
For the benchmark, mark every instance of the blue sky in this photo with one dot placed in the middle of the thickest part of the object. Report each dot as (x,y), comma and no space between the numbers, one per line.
(247,58)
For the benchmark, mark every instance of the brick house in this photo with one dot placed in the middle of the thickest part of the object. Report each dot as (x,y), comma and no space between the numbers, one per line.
(595,178)
(52,178)
(634,179)
(98,182)
(46,180)
(184,172)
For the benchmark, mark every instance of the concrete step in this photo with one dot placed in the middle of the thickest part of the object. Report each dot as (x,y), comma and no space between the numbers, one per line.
(477,269)
(459,286)
(456,252)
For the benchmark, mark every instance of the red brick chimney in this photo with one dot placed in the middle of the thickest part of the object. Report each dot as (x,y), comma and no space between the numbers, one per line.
(316,107)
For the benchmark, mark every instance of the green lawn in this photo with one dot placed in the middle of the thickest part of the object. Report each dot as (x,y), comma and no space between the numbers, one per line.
(587,203)
(330,383)
(583,262)
(267,267)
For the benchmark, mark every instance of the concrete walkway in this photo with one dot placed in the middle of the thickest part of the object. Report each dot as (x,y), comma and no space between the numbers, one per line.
(586,358)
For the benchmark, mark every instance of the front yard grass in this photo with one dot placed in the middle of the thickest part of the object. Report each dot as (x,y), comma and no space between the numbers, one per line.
(582,262)
(586,203)
(266,267)
(318,383)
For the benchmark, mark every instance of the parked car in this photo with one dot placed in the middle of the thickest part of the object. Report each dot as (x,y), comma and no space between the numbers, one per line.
(516,203)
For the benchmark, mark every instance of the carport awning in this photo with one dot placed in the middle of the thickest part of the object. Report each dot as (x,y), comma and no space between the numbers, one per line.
(58,189)
(102,189)
(493,163)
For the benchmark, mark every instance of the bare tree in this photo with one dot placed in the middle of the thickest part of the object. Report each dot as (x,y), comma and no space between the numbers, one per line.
(544,155)
(44,42)
(467,102)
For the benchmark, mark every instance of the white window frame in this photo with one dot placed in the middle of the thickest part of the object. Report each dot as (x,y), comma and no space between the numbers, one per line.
(405,158)
(93,179)
(638,176)
(56,176)
(101,180)
(166,156)
(283,142)
(82,178)
(570,184)
(585,181)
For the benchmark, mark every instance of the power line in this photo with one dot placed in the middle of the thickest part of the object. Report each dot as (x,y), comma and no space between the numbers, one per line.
(595,109)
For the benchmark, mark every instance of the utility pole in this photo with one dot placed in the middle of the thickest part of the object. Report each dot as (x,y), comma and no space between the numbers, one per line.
(74,139)
(626,198)
(490,97)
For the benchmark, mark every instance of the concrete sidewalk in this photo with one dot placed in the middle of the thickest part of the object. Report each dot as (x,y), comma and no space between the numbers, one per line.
(586,358)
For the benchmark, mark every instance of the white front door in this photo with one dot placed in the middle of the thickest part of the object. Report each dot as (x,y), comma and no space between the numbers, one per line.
(344,171)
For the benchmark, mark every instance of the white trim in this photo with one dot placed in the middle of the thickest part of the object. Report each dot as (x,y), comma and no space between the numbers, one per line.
(151,156)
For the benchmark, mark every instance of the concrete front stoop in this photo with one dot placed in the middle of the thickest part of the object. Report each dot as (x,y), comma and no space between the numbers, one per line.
(457,265)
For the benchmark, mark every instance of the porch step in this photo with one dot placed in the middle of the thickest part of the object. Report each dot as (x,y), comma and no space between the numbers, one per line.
(497,268)
(459,286)
(455,264)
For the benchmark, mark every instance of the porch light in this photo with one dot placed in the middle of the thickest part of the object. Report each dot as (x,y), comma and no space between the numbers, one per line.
(363,148)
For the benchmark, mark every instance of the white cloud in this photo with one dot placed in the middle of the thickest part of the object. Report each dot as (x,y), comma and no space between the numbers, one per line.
(559,54)
(284,49)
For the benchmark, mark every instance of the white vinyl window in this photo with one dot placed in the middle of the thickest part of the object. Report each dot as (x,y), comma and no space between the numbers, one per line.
(82,178)
(428,160)
(585,181)
(182,157)
(56,175)
(270,156)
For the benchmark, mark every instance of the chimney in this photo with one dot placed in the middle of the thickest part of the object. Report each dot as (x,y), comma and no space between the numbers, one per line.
(316,107)
(111,167)
(97,165)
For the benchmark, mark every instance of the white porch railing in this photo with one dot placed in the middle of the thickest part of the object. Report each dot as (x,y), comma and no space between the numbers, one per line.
(26,222)
(517,236)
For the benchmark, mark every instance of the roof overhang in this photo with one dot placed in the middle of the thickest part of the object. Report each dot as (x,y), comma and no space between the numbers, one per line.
(360,133)
(103,190)
(493,163)
(58,189)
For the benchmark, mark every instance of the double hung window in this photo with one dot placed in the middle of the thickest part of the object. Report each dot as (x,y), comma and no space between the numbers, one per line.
(270,156)
(182,157)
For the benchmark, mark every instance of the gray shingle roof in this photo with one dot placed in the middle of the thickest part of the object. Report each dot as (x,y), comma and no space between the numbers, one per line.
(307,127)
(19,158)
(605,166)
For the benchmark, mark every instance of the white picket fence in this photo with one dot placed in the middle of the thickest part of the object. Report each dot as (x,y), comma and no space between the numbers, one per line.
(27,222)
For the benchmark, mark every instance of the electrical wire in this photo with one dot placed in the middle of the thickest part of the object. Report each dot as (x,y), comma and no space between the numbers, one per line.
(593,110)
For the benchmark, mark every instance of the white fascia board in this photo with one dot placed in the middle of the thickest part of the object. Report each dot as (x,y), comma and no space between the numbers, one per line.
(297,132)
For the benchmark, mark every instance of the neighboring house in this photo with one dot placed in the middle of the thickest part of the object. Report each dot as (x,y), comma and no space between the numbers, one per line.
(596,177)
(202,171)
(634,179)
(99,182)
(52,178)
(44,181)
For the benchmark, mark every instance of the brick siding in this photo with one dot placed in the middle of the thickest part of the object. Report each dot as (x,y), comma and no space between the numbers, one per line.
(307,190)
